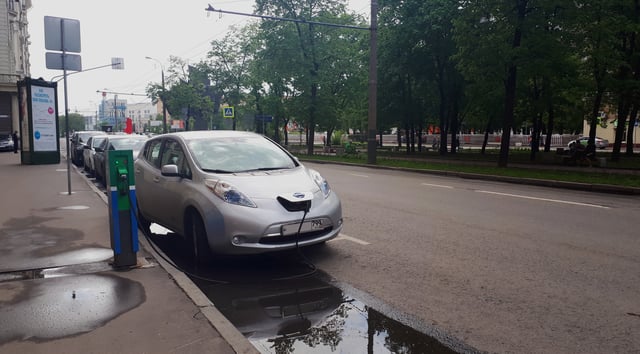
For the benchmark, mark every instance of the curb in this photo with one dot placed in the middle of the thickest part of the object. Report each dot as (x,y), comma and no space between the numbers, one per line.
(588,187)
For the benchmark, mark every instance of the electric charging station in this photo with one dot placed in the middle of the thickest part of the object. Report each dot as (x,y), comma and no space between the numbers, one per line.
(122,206)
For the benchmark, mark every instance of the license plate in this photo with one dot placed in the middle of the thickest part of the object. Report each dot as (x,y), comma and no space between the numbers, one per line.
(310,225)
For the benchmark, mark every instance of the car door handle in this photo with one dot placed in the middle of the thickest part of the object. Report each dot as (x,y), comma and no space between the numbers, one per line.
(156,179)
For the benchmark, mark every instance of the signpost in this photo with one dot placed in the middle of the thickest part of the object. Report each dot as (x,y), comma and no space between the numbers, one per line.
(63,35)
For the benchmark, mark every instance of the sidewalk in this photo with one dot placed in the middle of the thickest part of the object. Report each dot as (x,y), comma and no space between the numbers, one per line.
(58,293)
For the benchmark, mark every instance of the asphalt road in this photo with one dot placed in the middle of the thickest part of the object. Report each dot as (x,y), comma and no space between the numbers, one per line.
(502,267)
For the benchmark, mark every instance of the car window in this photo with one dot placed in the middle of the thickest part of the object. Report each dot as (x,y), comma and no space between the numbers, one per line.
(97,141)
(152,152)
(126,144)
(174,155)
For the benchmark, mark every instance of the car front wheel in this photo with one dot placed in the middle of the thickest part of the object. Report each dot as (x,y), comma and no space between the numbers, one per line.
(197,239)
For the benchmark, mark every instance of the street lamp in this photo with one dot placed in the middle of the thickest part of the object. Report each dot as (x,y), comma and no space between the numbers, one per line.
(164,92)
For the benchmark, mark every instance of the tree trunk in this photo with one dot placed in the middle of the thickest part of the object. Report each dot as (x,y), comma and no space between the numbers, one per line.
(486,137)
(510,88)
(550,124)
(632,126)
(623,112)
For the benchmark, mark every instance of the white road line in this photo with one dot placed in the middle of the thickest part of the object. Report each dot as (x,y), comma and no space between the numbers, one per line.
(349,238)
(357,175)
(436,185)
(546,200)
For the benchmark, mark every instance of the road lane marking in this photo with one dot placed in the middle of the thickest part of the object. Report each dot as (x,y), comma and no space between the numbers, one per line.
(350,238)
(546,200)
(357,175)
(436,185)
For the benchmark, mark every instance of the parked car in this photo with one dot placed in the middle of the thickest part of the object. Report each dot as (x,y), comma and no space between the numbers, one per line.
(115,142)
(78,141)
(6,142)
(230,192)
(600,143)
(90,151)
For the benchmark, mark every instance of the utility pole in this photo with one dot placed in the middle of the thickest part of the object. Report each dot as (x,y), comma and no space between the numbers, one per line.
(115,111)
(164,95)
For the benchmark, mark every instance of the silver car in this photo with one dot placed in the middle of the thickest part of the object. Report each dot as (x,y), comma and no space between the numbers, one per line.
(233,192)
(90,151)
(600,143)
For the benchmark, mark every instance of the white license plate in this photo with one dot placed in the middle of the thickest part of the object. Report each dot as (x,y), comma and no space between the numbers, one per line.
(310,225)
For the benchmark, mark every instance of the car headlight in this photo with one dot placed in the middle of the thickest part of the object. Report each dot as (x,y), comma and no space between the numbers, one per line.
(321,182)
(229,193)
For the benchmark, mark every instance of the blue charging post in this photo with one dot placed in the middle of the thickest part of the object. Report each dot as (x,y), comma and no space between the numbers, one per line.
(122,206)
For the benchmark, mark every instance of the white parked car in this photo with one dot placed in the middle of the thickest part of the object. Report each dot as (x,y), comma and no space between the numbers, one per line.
(600,143)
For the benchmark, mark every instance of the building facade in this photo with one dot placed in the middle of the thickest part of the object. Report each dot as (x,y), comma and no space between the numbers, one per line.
(113,113)
(14,59)
(141,115)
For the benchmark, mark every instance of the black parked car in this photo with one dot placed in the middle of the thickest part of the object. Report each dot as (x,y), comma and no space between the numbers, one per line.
(115,142)
(78,142)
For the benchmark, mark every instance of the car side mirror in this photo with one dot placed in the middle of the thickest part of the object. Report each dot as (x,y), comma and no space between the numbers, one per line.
(170,171)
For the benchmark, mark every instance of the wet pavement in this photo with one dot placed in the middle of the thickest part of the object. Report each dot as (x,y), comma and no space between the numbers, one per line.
(282,304)
(59,292)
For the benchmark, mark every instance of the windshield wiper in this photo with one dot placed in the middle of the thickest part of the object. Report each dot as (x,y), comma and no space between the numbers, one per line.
(217,171)
(265,169)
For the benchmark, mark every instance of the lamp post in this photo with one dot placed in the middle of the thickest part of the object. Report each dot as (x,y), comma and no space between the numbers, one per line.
(164,106)
(115,111)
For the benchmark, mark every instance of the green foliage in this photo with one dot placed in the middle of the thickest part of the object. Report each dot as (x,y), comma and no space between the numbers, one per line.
(336,138)
(440,62)
(76,122)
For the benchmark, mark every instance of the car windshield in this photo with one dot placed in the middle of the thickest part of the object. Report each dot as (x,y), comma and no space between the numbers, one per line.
(239,154)
(126,144)
(97,140)
(82,137)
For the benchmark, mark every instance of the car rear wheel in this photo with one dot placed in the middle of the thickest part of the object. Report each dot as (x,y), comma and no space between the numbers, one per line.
(198,239)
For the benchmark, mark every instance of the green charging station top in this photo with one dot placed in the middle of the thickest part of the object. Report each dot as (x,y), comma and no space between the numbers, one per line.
(120,175)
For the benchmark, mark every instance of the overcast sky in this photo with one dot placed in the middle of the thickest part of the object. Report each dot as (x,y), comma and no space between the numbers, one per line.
(133,29)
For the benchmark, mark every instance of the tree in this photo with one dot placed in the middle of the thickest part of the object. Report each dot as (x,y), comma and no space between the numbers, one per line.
(312,55)
(76,122)
(183,97)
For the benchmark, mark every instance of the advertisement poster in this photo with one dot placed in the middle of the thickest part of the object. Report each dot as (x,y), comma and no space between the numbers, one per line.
(44,118)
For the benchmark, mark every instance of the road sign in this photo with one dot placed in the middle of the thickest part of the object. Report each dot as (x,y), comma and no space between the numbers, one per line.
(228,112)
(61,34)
(54,61)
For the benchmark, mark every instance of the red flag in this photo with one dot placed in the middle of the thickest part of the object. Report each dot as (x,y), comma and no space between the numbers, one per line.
(129,127)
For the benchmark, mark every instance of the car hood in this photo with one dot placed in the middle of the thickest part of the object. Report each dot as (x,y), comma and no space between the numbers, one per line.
(270,184)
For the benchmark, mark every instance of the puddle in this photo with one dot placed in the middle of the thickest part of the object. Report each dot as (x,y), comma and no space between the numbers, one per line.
(46,309)
(309,315)
(282,306)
